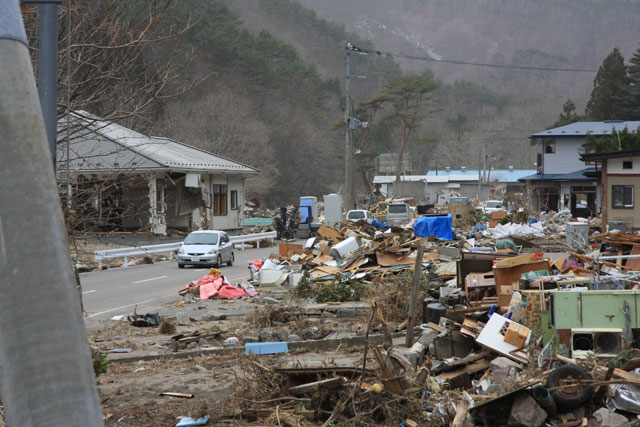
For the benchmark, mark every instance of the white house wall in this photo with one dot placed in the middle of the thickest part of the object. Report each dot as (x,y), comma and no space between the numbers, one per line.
(233,219)
(566,159)
(236,183)
(614,166)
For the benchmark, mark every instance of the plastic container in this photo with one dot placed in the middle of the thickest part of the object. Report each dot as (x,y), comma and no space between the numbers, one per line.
(542,396)
(343,248)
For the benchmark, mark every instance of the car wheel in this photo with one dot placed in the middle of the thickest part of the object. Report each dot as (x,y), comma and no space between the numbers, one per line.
(288,234)
(219,261)
(180,265)
(573,396)
(230,263)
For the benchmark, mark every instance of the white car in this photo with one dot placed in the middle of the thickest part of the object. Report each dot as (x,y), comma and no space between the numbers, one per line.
(207,247)
(493,206)
(359,215)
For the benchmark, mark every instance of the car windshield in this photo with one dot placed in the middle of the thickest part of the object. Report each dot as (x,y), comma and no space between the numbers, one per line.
(494,204)
(397,209)
(201,239)
(356,215)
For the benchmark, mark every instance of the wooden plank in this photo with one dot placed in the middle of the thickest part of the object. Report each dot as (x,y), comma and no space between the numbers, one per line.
(386,374)
(518,260)
(344,370)
(173,394)
(468,369)
(633,264)
(316,385)
(436,327)
(462,408)
(413,303)
(467,360)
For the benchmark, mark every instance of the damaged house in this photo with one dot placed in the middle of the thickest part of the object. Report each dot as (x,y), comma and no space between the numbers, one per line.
(563,179)
(114,178)
(619,173)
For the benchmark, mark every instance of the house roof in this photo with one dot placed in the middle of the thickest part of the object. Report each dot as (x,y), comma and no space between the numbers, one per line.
(98,146)
(502,175)
(581,129)
(609,155)
(571,176)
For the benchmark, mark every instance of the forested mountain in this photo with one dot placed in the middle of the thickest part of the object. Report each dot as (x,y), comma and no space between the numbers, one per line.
(269,77)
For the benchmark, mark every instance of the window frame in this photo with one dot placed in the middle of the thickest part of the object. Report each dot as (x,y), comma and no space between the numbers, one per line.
(550,145)
(624,205)
(233,200)
(220,200)
(627,164)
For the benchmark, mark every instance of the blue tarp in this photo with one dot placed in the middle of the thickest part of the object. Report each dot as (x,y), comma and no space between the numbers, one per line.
(439,226)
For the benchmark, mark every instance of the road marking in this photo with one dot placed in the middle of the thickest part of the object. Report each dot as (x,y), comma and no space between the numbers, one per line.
(148,280)
(130,305)
(201,269)
(88,292)
(149,300)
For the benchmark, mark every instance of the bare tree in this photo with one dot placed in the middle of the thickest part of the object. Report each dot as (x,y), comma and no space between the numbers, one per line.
(115,58)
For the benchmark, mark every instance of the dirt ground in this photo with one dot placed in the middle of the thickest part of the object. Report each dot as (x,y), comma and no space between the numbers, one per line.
(130,389)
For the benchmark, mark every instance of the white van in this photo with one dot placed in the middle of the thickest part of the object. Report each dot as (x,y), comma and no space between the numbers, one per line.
(398,214)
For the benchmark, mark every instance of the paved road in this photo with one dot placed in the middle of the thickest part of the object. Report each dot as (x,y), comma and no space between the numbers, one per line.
(116,291)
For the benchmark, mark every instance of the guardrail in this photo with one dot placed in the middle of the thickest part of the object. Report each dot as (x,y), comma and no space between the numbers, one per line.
(253,237)
(170,248)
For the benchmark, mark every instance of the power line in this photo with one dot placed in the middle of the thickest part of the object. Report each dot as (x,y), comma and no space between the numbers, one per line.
(333,138)
(476,64)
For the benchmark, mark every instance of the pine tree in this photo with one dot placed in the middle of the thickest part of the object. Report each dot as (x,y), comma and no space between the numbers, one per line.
(634,87)
(609,97)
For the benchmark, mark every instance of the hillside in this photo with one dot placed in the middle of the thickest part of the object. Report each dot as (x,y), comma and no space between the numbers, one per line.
(277,79)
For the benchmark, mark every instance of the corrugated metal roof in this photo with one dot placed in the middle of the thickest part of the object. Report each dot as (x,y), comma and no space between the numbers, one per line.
(388,179)
(581,129)
(98,146)
(502,175)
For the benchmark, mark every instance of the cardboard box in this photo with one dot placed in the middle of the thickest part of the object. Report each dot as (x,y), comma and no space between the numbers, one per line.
(496,217)
(288,249)
(504,300)
(516,335)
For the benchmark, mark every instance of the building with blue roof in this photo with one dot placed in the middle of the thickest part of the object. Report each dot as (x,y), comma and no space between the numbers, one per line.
(437,185)
(563,180)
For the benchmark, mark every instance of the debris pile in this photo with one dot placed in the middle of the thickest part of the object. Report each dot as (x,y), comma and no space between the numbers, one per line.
(498,323)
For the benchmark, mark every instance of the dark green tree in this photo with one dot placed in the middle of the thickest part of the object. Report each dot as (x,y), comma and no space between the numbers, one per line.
(609,97)
(568,110)
(634,86)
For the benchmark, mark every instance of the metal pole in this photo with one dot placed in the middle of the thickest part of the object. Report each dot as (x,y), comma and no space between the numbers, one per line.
(46,370)
(48,70)
(348,149)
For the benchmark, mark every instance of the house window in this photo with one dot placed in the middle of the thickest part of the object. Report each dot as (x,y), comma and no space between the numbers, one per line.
(550,147)
(622,196)
(627,164)
(219,199)
(234,200)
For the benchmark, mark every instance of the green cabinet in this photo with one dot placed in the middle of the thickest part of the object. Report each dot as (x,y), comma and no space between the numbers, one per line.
(594,309)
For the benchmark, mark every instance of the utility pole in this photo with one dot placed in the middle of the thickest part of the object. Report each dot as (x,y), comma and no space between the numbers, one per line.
(349,199)
(351,123)
(47,374)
